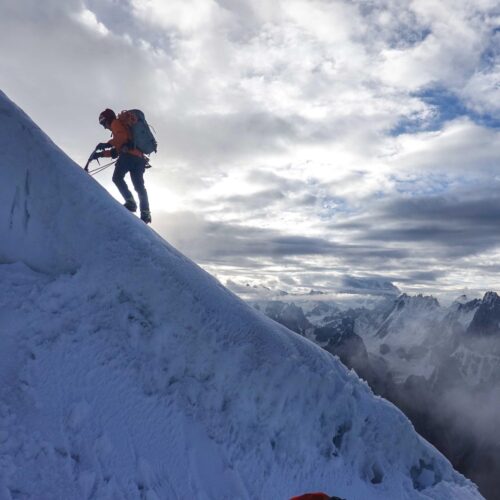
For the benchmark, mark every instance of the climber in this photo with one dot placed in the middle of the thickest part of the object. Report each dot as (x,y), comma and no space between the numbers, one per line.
(130,159)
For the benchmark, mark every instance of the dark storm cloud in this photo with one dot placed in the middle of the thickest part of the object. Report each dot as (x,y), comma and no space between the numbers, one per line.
(219,241)
(356,255)
(428,233)
(422,276)
(229,243)
(481,211)
(222,240)
(308,262)
(452,224)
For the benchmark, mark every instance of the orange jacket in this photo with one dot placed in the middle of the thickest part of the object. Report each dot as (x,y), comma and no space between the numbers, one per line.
(121,136)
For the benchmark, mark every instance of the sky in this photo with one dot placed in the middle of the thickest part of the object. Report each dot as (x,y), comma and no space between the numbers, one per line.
(302,143)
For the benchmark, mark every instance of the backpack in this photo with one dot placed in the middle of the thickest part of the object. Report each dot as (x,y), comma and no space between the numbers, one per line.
(141,136)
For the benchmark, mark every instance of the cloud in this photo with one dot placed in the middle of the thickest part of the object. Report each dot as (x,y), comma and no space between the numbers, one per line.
(223,241)
(456,38)
(88,19)
(259,200)
(461,224)
(460,146)
(370,285)
(424,276)
(55,56)
(186,16)
(481,93)
(304,139)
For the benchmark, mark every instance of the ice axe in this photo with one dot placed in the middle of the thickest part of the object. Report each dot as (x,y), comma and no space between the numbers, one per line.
(91,157)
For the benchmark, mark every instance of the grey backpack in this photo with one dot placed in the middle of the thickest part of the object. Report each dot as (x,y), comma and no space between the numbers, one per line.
(142,137)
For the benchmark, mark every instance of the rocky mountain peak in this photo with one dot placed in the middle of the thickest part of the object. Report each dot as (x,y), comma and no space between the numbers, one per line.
(416,301)
(486,320)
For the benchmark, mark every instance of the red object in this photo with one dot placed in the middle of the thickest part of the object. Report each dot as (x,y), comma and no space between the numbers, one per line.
(312,496)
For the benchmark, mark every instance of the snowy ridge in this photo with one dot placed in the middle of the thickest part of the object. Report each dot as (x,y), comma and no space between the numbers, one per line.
(126,371)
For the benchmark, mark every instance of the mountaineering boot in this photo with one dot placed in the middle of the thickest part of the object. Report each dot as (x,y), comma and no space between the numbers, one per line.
(146,216)
(131,205)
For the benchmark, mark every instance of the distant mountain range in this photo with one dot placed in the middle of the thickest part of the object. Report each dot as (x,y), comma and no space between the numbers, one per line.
(440,365)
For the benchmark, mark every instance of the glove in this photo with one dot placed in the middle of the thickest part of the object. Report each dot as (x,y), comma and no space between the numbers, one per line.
(102,145)
(96,155)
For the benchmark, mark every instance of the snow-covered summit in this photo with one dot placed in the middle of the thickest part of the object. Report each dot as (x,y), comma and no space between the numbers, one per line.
(408,309)
(128,372)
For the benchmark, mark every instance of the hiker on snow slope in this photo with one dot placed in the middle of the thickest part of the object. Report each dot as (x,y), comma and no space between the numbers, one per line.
(130,159)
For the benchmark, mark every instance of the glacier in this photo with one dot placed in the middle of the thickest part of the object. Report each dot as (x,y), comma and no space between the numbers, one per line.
(126,371)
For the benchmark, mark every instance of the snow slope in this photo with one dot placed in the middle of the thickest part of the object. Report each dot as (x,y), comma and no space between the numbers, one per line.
(128,372)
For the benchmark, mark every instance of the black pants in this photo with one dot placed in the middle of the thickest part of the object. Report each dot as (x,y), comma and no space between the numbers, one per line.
(136,166)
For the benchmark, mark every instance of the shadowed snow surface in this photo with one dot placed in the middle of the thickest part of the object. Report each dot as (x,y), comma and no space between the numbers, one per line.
(128,372)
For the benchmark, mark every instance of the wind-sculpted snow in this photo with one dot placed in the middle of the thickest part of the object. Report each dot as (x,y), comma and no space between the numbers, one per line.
(128,372)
